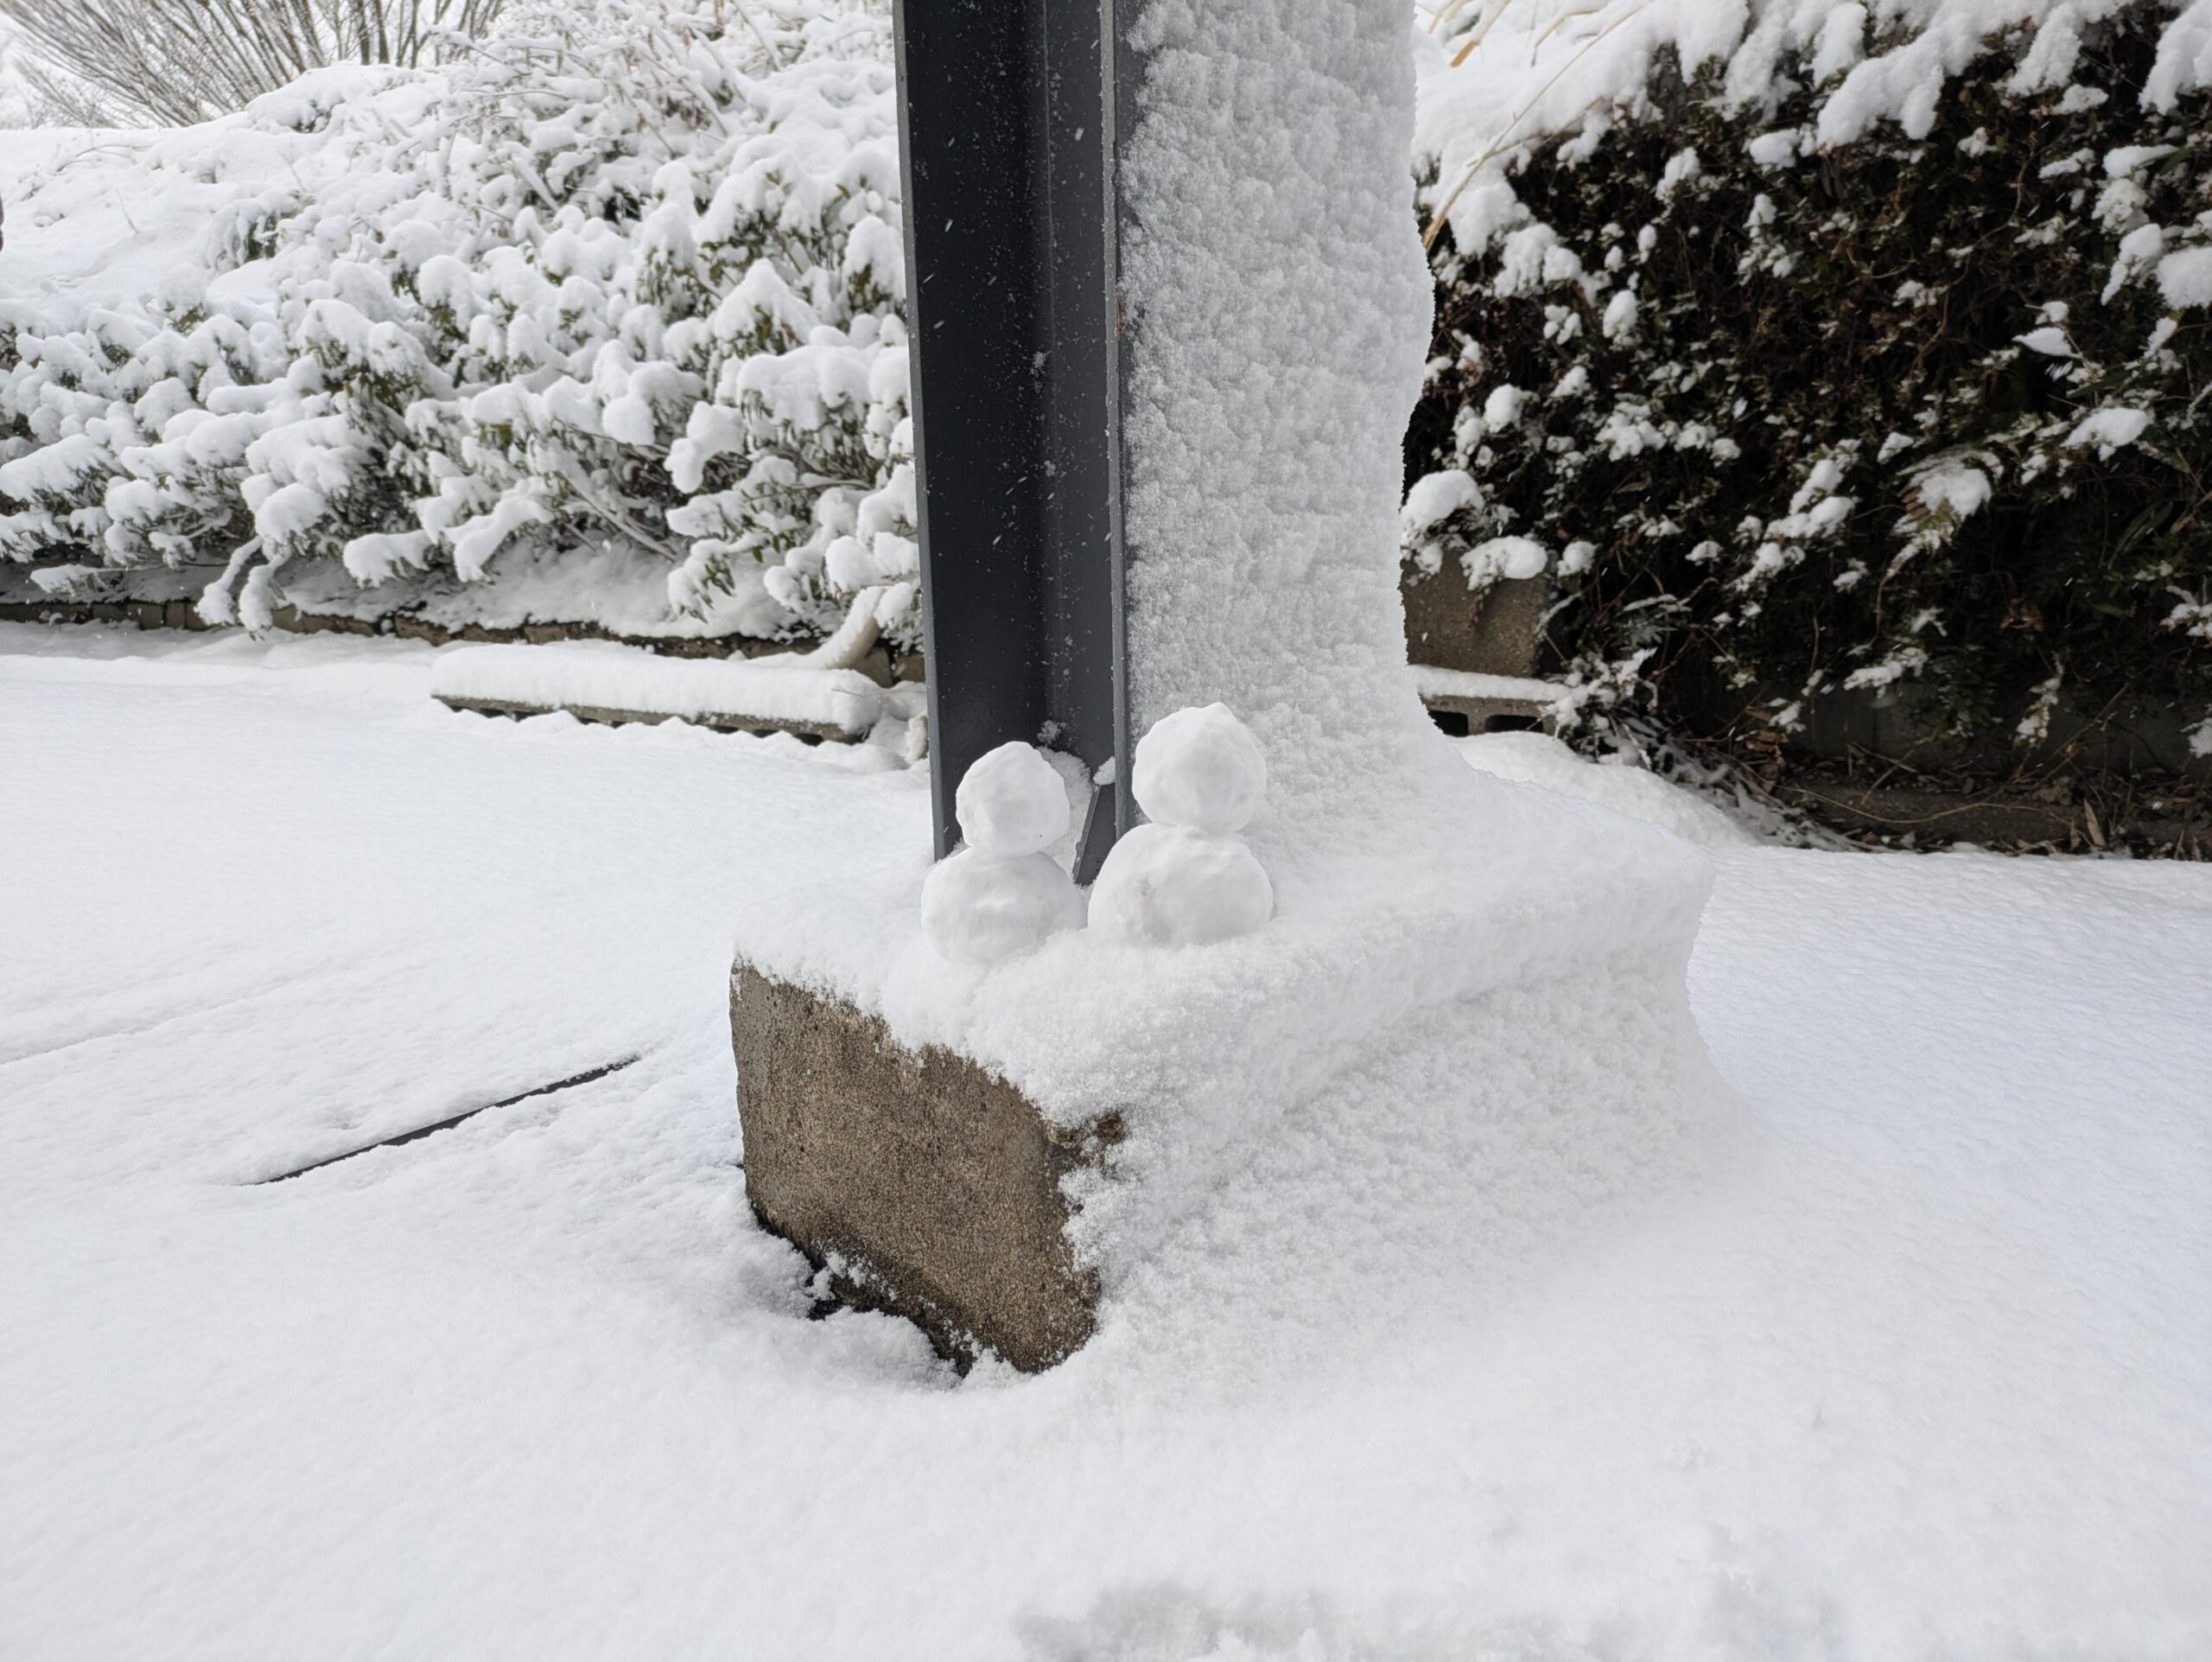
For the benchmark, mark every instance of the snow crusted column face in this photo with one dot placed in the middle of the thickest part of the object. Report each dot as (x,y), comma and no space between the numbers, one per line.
(1281,311)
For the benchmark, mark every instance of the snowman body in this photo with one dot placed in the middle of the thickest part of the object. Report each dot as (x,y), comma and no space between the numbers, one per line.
(1003,895)
(1187,878)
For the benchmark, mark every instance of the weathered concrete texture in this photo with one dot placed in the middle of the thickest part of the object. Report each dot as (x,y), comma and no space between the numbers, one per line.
(1496,632)
(140,614)
(926,1185)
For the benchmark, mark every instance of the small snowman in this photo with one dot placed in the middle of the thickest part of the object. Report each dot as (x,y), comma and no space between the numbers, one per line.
(1188,877)
(1001,895)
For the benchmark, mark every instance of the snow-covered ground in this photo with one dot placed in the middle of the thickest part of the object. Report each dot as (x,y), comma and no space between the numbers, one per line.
(1912,1357)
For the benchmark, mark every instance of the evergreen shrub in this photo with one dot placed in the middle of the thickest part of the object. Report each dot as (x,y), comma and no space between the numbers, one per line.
(1920,413)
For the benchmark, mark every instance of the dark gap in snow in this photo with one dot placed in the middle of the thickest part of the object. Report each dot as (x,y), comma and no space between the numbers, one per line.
(447,1125)
(1453,722)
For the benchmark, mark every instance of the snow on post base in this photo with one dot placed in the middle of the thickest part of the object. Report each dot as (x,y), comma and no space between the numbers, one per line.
(600,681)
(1516,960)
(923,1184)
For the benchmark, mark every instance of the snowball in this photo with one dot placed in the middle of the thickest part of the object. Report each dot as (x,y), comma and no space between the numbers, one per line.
(980,907)
(1011,801)
(1162,886)
(1200,770)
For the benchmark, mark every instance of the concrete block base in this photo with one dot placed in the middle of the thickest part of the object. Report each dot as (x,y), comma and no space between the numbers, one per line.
(1460,716)
(926,1186)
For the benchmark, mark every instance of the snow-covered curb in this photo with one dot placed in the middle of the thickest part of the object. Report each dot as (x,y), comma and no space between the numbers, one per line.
(1435,684)
(615,681)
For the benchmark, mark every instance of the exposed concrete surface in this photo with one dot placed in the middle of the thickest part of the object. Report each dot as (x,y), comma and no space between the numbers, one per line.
(1496,632)
(927,1186)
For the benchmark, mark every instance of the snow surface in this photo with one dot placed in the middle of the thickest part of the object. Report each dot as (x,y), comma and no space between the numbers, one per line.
(1906,1356)
(624,591)
(1408,944)
(1637,792)
(1435,683)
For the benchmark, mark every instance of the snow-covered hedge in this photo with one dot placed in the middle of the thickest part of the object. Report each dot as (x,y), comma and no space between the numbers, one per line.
(624,279)
(1872,351)
(1818,344)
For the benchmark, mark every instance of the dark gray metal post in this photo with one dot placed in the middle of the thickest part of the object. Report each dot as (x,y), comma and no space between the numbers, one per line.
(1006,120)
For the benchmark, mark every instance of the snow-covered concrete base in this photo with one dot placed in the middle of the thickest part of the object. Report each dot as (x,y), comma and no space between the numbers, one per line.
(1531,945)
(914,1182)
(1911,1360)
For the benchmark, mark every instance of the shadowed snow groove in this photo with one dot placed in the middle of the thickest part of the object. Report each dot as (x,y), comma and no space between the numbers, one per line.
(447,1124)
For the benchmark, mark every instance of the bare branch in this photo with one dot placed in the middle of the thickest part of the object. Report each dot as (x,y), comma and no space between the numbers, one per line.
(169,62)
